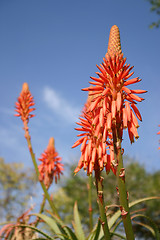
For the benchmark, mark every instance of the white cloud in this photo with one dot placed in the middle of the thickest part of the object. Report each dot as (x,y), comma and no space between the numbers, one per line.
(60,106)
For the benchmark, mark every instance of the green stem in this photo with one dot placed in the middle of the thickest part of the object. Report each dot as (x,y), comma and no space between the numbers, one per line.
(100,200)
(90,202)
(28,138)
(123,194)
(123,198)
(41,209)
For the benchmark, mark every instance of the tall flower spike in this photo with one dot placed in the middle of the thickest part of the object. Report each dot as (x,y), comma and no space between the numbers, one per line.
(111,105)
(111,92)
(25,103)
(51,166)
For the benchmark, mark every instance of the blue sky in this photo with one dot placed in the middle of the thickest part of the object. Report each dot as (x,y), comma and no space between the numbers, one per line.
(55,46)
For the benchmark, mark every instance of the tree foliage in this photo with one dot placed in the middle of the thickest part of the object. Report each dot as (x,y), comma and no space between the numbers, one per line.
(16,187)
(155,7)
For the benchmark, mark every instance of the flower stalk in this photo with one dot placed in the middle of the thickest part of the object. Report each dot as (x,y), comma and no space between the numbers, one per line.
(28,138)
(41,209)
(100,200)
(122,192)
(90,210)
(111,108)
(24,108)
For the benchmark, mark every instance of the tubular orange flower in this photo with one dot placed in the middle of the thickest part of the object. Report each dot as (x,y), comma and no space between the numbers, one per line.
(25,103)
(94,155)
(51,166)
(111,107)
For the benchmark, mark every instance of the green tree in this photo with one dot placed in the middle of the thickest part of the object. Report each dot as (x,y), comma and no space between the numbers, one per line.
(17,185)
(155,7)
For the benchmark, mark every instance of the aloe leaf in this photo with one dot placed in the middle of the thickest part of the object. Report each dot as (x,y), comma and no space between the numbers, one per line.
(114,218)
(118,235)
(146,226)
(52,224)
(36,230)
(56,218)
(116,225)
(39,238)
(94,235)
(152,227)
(71,233)
(101,234)
(91,236)
(142,200)
(77,224)
(64,228)
(97,230)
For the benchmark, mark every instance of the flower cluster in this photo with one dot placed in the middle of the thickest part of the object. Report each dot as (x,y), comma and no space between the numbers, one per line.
(51,166)
(112,108)
(25,103)
(93,143)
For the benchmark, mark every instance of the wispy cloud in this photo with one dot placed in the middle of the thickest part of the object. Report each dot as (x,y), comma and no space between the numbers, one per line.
(60,105)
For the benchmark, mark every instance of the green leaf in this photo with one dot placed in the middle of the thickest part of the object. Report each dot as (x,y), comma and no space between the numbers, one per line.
(39,238)
(101,234)
(77,224)
(97,230)
(142,200)
(71,233)
(115,217)
(152,227)
(52,224)
(118,235)
(36,230)
(64,228)
(94,235)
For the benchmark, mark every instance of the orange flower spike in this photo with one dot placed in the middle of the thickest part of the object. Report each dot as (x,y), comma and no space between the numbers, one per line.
(51,166)
(113,95)
(111,105)
(24,104)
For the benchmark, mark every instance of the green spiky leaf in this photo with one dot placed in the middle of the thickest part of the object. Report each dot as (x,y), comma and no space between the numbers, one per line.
(77,224)
(94,235)
(71,233)
(52,224)
(115,217)
(152,227)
